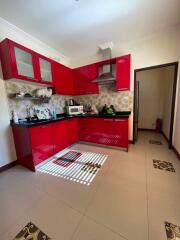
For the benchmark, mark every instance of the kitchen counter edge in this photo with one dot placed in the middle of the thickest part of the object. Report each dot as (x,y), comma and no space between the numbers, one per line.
(62,118)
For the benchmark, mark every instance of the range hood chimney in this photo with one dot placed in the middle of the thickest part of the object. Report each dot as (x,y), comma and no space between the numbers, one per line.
(106,75)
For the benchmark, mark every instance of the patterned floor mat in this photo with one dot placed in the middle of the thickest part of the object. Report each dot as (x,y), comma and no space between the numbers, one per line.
(172,231)
(77,166)
(162,165)
(67,159)
(156,142)
(31,232)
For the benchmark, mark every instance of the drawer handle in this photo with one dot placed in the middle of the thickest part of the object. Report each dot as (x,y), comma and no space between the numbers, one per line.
(123,89)
(120,120)
(110,120)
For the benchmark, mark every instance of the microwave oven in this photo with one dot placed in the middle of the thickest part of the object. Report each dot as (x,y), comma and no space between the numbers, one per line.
(74,110)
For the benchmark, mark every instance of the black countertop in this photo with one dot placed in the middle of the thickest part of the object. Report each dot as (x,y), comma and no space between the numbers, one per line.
(61,117)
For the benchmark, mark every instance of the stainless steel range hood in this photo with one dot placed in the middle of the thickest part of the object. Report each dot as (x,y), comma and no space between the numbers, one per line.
(106,73)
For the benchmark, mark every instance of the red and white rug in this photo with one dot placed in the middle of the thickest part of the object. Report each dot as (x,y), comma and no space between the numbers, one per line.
(78,166)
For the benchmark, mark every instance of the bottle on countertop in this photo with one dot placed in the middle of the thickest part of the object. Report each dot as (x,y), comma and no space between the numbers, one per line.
(15,117)
(104,109)
(54,114)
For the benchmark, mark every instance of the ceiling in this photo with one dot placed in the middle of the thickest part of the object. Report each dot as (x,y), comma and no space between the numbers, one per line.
(76,28)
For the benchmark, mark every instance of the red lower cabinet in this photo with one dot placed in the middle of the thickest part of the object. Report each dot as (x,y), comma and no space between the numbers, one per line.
(38,143)
(121,128)
(42,145)
(60,135)
(23,147)
(65,133)
(72,129)
(105,131)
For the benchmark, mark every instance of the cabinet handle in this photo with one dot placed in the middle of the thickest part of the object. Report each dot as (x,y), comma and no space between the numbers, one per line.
(45,126)
(123,89)
(120,120)
(106,119)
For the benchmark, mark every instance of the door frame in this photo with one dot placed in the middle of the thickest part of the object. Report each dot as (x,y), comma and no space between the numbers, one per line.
(173,102)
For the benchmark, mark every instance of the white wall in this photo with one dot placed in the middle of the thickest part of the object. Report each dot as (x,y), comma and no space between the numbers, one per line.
(7,150)
(151,97)
(161,48)
(167,84)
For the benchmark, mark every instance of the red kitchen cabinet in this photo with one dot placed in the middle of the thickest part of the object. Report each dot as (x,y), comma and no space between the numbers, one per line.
(83,77)
(88,129)
(105,131)
(121,129)
(123,67)
(60,135)
(18,61)
(63,79)
(83,129)
(42,145)
(23,147)
(65,133)
(113,132)
(45,74)
(73,130)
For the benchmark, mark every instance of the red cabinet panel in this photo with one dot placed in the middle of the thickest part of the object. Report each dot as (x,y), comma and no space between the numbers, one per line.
(24,154)
(106,131)
(60,135)
(123,65)
(63,79)
(45,70)
(18,61)
(41,142)
(121,128)
(83,77)
(65,133)
(72,129)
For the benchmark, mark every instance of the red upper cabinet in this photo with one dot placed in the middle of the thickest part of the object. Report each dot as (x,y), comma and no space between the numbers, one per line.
(18,62)
(83,77)
(45,70)
(123,67)
(63,79)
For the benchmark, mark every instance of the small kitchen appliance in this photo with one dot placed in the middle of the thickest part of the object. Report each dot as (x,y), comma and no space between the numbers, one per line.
(74,110)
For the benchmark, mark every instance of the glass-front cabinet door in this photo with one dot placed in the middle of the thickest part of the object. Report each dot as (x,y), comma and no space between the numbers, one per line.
(45,70)
(24,62)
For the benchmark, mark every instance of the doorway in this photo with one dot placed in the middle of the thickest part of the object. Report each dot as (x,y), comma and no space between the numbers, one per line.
(154,99)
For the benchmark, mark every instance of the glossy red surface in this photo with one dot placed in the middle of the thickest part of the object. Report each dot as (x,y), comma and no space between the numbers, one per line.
(106,131)
(123,67)
(9,63)
(38,56)
(63,79)
(36,144)
(42,145)
(73,133)
(23,147)
(66,81)
(60,135)
(83,77)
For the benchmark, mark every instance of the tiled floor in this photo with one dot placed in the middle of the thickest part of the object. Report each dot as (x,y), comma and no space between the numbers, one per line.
(128,199)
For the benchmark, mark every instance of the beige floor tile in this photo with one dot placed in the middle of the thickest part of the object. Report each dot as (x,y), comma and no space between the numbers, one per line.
(54,218)
(121,207)
(90,230)
(16,198)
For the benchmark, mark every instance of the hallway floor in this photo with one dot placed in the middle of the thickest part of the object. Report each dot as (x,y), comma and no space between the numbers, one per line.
(129,198)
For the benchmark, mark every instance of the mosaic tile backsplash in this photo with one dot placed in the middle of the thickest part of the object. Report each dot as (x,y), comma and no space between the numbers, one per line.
(122,101)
